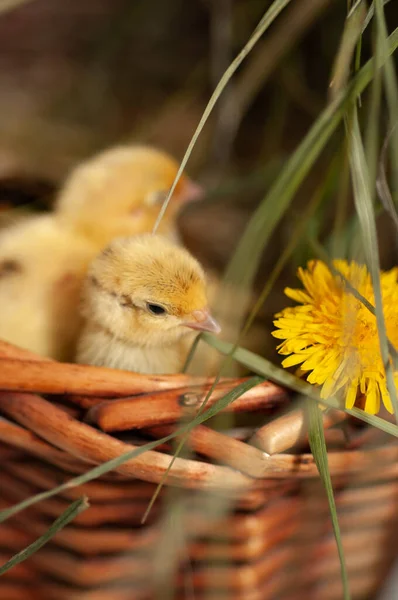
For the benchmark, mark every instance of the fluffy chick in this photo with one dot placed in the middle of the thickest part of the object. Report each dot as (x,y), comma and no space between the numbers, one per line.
(119,193)
(43,260)
(142,298)
(41,267)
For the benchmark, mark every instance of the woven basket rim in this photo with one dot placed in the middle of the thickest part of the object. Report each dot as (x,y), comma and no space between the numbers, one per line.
(54,433)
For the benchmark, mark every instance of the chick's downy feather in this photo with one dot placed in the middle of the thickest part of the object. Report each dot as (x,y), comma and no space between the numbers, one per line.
(142,298)
(41,270)
(118,192)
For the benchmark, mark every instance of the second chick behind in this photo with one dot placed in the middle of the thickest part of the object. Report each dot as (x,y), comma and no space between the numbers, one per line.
(142,298)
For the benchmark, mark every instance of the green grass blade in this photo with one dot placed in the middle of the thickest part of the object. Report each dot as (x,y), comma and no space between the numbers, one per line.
(351,33)
(372,130)
(316,438)
(365,210)
(244,263)
(274,10)
(391,88)
(313,204)
(230,397)
(219,405)
(191,353)
(67,516)
(287,252)
(382,186)
(266,369)
(371,13)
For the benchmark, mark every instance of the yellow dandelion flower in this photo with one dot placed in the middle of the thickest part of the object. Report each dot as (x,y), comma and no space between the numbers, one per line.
(333,336)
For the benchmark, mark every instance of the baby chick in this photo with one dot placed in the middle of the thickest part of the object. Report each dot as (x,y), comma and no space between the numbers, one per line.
(44,259)
(142,298)
(119,193)
(41,269)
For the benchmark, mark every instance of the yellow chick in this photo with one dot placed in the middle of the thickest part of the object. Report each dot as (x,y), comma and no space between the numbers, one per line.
(41,269)
(119,193)
(142,298)
(44,259)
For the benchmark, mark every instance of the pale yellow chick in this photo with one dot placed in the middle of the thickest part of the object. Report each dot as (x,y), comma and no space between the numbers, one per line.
(119,193)
(44,259)
(142,298)
(41,269)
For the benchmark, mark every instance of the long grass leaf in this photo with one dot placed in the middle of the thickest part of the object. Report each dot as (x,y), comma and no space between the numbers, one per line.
(268,370)
(349,39)
(67,516)
(371,13)
(219,405)
(264,294)
(372,129)
(391,88)
(364,207)
(235,393)
(317,197)
(316,438)
(244,263)
(274,10)
(382,187)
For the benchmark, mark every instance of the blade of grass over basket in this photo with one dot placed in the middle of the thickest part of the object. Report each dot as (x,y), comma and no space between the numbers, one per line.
(371,13)
(391,89)
(313,204)
(245,261)
(115,462)
(372,129)
(338,239)
(310,209)
(349,39)
(276,271)
(67,516)
(270,15)
(235,393)
(363,200)
(317,197)
(268,370)
(191,353)
(287,252)
(368,18)
(382,186)
(316,438)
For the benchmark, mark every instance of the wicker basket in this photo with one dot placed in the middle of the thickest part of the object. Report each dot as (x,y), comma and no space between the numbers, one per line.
(271,538)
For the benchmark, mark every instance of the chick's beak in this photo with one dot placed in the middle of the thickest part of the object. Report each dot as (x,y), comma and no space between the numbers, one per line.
(203,321)
(190,191)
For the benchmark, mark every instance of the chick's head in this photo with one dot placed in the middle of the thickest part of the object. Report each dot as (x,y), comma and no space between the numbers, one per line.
(147,291)
(120,191)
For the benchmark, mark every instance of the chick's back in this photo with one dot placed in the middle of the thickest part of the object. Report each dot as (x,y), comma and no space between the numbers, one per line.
(42,266)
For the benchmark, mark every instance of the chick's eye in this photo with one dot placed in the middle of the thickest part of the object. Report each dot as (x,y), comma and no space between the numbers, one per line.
(155,198)
(155,309)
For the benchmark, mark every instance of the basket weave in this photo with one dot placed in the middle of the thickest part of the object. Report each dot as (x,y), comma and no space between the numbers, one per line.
(275,541)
